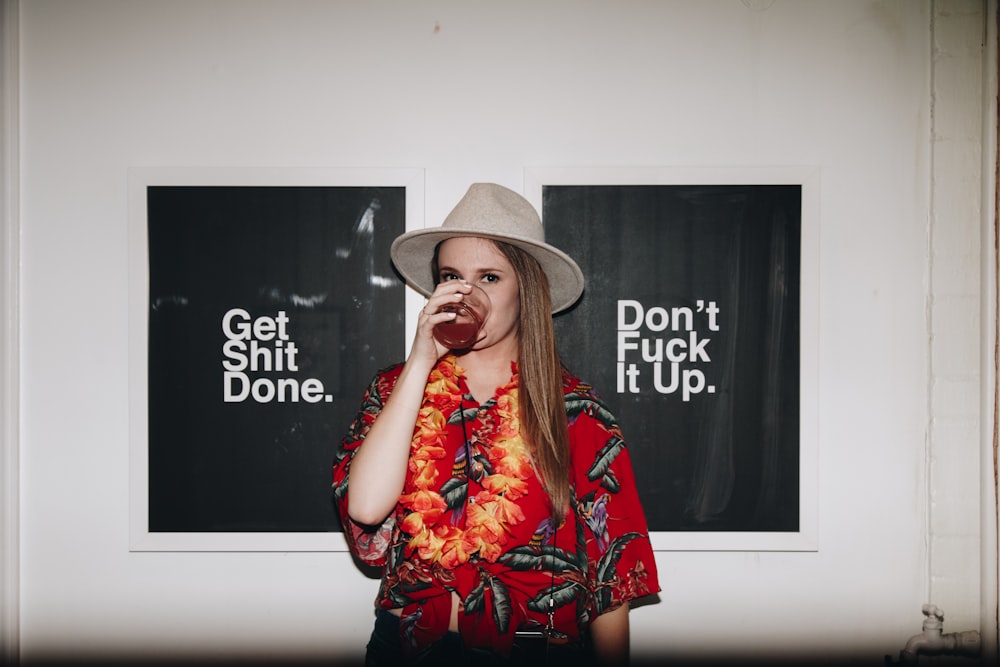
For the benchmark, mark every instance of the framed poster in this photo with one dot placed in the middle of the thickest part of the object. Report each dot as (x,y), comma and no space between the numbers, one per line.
(698,325)
(262,302)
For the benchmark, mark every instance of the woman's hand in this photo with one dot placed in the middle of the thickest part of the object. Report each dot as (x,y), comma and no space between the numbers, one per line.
(610,635)
(425,346)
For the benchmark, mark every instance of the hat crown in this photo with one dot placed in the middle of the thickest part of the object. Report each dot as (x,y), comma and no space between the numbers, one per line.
(494,212)
(492,209)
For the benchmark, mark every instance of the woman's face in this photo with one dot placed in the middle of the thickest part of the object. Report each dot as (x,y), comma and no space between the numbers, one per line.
(480,262)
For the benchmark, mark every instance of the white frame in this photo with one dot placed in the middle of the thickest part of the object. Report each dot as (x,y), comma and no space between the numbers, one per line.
(140,538)
(806,538)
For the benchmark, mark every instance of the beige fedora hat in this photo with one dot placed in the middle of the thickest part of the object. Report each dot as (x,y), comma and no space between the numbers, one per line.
(490,211)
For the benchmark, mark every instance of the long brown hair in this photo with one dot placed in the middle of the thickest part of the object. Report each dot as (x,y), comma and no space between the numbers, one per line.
(542,406)
(540,395)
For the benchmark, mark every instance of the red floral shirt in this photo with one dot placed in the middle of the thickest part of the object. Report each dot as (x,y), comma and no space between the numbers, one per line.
(474,519)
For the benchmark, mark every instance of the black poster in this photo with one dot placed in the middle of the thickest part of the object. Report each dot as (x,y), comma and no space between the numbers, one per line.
(270,308)
(689,328)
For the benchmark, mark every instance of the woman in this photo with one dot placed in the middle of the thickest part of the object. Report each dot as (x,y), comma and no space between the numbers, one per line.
(491,485)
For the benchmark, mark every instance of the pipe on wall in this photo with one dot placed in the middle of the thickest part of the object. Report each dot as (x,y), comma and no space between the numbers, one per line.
(934,641)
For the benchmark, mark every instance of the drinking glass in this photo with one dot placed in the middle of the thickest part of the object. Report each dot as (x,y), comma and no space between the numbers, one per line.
(462,332)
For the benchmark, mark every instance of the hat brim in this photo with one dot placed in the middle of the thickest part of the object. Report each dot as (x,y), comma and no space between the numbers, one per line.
(412,252)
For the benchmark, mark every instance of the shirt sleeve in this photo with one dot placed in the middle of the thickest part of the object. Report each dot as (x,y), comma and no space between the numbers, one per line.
(368,543)
(621,561)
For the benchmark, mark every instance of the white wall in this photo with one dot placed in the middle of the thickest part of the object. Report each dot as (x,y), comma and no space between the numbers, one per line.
(474,91)
(954,310)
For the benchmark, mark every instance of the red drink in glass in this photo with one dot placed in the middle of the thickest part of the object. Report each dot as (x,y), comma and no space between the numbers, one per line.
(462,332)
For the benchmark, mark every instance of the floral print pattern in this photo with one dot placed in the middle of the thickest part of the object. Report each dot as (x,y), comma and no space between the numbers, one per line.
(473,520)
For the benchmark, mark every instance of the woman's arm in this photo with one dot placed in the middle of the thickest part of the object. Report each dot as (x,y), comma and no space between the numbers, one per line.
(610,635)
(378,469)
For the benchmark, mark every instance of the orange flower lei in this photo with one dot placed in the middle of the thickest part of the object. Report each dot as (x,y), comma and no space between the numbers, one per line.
(492,510)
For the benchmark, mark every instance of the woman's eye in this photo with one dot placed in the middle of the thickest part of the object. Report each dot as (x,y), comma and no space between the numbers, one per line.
(491,278)
(445,277)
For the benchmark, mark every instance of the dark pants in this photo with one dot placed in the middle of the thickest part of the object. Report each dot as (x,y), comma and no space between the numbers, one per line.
(384,650)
